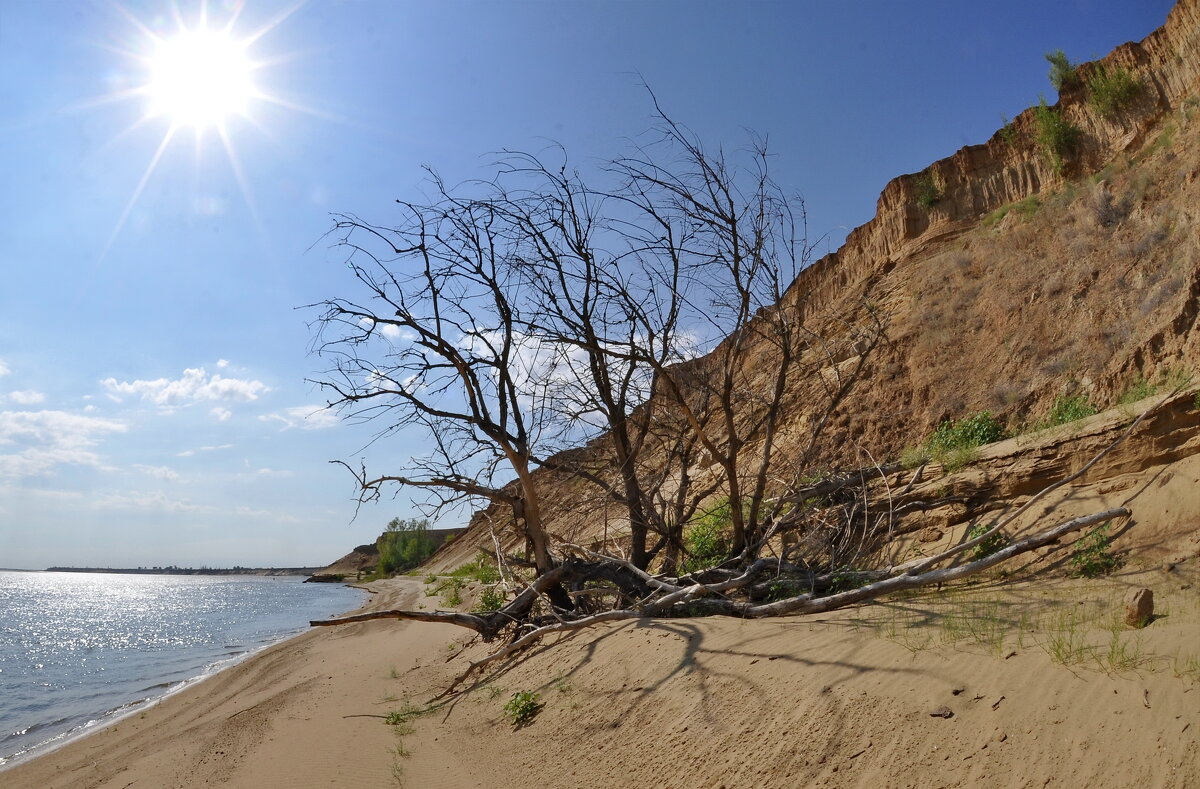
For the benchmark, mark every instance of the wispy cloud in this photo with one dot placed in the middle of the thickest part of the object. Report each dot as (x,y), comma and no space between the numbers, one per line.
(158,472)
(305,417)
(41,440)
(193,386)
(26,397)
(187,453)
(4,369)
(158,501)
(152,500)
(221,414)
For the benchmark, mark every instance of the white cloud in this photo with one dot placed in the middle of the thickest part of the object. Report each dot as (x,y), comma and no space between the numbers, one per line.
(222,364)
(157,501)
(221,414)
(41,440)
(138,500)
(158,472)
(272,472)
(394,333)
(278,517)
(26,397)
(195,385)
(389,331)
(25,491)
(306,417)
(4,369)
(187,453)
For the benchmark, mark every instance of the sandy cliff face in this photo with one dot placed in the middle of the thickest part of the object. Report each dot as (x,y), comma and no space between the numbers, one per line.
(1019,285)
(979,179)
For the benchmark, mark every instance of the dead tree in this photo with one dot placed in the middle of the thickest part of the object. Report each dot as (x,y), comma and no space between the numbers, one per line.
(438,344)
(740,242)
(657,320)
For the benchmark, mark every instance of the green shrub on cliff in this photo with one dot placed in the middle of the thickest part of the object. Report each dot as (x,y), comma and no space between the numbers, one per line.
(1056,136)
(955,443)
(928,193)
(1068,409)
(966,433)
(1111,90)
(1062,70)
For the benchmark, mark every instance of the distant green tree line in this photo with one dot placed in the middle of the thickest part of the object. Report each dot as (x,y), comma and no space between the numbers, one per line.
(406,544)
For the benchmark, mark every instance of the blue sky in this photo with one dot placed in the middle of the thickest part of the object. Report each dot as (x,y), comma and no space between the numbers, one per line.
(153,404)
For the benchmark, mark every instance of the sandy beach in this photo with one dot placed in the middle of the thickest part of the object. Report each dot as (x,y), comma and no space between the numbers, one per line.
(972,689)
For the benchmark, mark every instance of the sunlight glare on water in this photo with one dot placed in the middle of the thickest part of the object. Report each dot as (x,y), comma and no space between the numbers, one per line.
(78,648)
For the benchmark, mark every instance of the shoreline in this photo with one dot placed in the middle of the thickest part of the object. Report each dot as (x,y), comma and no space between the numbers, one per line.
(118,714)
(897,694)
(158,745)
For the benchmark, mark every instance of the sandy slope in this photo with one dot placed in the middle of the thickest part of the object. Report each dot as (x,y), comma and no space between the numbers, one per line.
(840,701)
(846,700)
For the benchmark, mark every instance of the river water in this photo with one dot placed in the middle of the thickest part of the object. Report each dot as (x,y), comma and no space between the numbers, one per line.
(78,650)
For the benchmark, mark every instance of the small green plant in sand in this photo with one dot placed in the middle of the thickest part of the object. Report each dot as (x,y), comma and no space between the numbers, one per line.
(482,569)
(989,546)
(1092,556)
(490,599)
(401,721)
(522,707)
(976,622)
(1067,647)
(1186,667)
(1111,90)
(785,588)
(846,579)
(451,591)
(402,718)
(1122,653)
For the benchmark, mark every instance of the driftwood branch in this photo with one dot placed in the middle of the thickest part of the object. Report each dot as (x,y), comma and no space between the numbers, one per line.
(698,598)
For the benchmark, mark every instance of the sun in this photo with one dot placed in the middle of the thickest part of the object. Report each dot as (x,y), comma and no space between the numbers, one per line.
(199,78)
(196,75)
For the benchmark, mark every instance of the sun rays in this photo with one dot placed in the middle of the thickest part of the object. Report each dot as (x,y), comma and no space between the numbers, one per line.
(197,75)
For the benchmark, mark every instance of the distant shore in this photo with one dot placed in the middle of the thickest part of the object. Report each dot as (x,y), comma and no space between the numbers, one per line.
(189,570)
